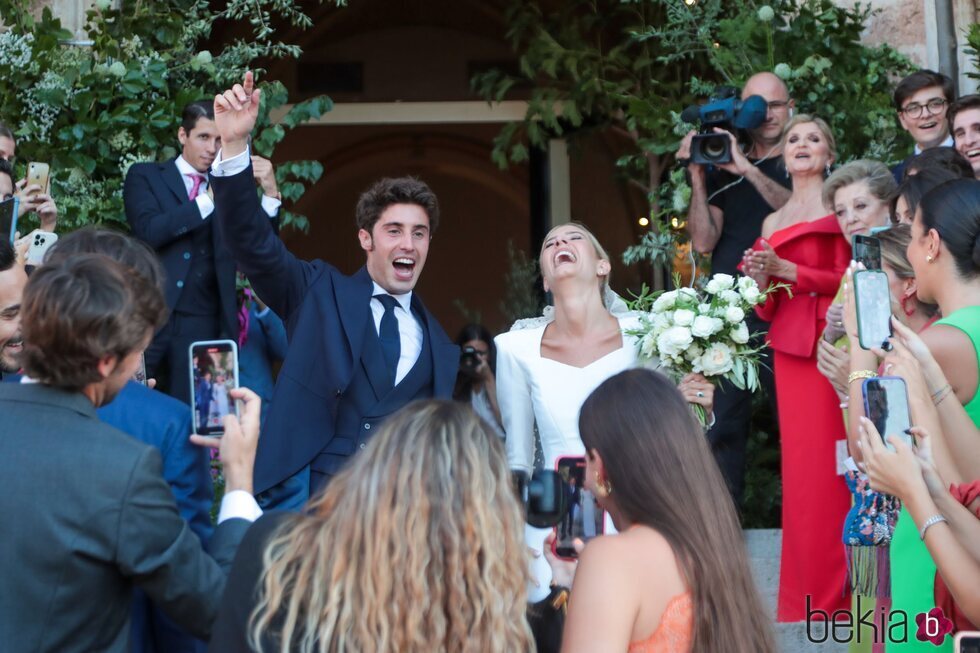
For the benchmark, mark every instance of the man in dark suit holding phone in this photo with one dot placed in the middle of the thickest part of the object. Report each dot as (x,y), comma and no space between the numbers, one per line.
(168,207)
(361,346)
(100,519)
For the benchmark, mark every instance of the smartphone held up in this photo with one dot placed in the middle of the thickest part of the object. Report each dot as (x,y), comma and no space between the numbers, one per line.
(886,403)
(214,373)
(584,518)
(872,299)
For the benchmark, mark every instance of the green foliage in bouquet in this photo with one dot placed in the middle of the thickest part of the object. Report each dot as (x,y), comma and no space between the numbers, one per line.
(92,110)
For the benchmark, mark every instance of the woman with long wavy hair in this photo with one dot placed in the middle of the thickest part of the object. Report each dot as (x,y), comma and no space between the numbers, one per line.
(676,578)
(417,546)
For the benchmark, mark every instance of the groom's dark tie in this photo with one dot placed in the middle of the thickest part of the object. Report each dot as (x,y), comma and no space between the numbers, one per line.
(391,341)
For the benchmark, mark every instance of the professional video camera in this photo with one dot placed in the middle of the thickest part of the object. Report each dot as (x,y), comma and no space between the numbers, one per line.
(726,111)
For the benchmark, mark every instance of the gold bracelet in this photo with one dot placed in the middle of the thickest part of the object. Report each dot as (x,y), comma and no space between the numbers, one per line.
(860,374)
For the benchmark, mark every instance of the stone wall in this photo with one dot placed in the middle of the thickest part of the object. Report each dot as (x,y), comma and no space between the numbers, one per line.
(910,26)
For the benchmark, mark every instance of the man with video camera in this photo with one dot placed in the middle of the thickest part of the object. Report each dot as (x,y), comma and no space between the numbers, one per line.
(729,201)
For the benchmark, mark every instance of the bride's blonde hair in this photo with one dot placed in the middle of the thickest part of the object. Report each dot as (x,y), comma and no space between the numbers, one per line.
(417,546)
(600,252)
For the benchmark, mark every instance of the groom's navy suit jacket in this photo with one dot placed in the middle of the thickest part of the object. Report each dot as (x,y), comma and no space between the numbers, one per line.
(326,314)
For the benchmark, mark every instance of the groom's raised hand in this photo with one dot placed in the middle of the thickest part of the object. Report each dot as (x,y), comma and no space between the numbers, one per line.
(235,113)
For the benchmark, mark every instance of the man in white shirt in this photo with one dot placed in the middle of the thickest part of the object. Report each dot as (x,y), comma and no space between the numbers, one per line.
(361,346)
(921,100)
(169,207)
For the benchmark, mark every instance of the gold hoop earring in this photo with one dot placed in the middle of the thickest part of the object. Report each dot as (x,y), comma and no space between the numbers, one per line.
(602,489)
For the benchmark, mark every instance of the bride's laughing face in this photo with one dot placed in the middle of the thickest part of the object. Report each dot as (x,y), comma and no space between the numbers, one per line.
(569,251)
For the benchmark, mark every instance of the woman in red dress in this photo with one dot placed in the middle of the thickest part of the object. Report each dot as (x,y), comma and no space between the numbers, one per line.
(807,251)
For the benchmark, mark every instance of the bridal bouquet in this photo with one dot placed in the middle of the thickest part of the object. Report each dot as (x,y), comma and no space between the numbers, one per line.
(703,332)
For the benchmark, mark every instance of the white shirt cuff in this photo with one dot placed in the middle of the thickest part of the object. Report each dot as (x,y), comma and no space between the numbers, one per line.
(261,314)
(271,205)
(239,504)
(204,204)
(228,167)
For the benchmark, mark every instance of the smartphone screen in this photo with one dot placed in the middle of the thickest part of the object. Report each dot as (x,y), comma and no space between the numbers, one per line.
(967,641)
(8,219)
(874,310)
(867,251)
(584,517)
(214,371)
(37,173)
(886,403)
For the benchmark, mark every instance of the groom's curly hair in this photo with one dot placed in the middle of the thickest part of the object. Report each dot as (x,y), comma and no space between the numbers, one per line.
(396,190)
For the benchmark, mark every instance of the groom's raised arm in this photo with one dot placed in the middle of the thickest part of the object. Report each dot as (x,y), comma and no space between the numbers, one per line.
(278,277)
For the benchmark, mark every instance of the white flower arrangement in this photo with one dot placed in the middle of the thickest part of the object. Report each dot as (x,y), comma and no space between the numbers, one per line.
(703,332)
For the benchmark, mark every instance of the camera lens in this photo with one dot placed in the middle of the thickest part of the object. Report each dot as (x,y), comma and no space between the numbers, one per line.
(715,148)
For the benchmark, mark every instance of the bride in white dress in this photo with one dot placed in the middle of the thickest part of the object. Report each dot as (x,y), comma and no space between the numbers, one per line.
(546,367)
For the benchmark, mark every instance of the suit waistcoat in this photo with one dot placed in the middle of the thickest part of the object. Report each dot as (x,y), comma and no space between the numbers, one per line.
(370,398)
(199,295)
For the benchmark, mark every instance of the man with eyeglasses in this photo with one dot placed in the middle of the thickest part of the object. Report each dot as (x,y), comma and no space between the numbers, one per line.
(728,204)
(921,100)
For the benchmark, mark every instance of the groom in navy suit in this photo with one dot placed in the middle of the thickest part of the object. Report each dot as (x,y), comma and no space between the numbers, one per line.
(168,207)
(361,346)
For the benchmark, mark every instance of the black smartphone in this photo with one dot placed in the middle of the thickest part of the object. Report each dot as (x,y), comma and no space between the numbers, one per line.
(214,372)
(584,517)
(886,403)
(874,308)
(967,641)
(867,251)
(8,218)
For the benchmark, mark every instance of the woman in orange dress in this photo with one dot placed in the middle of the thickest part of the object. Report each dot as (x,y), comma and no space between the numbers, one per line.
(806,251)
(676,578)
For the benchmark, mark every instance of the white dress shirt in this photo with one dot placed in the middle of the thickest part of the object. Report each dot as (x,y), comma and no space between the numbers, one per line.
(204,202)
(946,143)
(408,328)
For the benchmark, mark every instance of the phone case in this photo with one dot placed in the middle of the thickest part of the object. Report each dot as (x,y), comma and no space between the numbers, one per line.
(197,393)
(967,641)
(865,339)
(38,173)
(8,218)
(41,242)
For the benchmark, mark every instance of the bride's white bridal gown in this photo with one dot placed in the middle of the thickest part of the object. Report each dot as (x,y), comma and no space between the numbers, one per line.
(533,389)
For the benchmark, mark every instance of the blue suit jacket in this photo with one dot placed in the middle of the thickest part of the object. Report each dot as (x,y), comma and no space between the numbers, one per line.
(326,313)
(160,214)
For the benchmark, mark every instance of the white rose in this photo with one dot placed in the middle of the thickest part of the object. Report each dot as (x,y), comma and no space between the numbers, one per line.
(673,341)
(660,322)
(704,309)
(686,294)
(683,317)
(713,287)
(705,326)
(665,301)
(693,353)
(734,315)
(648,346)
(751,295)
(744,283)
(726,281)
(740,334)
(717,359)
(730,297)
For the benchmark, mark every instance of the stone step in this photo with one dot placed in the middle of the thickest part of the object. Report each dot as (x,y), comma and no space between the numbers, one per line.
(764,547)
